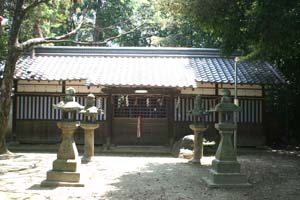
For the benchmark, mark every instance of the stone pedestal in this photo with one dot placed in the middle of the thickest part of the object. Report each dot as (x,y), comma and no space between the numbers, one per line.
(65,170)
(198,130)
(225,170)
(88,141)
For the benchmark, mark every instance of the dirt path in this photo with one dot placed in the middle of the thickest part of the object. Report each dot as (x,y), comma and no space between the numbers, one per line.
(134,177)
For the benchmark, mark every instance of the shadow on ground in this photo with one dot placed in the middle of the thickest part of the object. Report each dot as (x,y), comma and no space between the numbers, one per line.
(272,177)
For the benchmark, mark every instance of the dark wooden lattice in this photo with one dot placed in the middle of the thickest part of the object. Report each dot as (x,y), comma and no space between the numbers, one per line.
(134,106)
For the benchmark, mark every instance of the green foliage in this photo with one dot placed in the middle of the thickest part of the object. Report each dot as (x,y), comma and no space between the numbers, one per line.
(177,30)
(262,29)
(54,19)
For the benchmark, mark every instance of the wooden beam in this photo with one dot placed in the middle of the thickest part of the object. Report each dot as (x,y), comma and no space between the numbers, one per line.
(131,90)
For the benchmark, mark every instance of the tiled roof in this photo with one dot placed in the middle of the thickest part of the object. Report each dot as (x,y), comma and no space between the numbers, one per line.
(156,67)
(111,70)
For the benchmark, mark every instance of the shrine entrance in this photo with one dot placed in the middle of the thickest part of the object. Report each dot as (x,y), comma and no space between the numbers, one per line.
(140,119)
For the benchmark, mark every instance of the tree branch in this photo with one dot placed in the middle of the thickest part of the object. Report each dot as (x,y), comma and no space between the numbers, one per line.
(86,43)
(36,41)
(62,38)
(34,4)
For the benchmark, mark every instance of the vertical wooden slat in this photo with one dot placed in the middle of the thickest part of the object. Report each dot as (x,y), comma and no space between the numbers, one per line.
(104,101)
(183,111)
(261,111)
(25,108)
(45,108)
(249,110)
(175,110)
(242,111)
(256,111)
(245,110)
(57,112)
(49,108)
(52,116)
(29,108)
(18,110)
(33,107)
(34,110)
(179,109)
(37,108)
(41,107)
(252,113)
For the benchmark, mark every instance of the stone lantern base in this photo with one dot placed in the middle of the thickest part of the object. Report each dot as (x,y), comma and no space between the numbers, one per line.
(226,174)
(65,169)
(198,130)
(88,141)
(225,170)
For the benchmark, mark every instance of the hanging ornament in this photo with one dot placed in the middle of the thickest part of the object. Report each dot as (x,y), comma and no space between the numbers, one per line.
(136,101)
(139,127)
(121,101)
(126,101)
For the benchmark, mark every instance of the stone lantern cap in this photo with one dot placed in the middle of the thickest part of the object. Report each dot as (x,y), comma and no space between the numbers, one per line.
(69,104)
(226,105)
(90,109)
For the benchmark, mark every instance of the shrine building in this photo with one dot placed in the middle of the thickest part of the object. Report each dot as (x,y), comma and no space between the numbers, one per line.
(157,84)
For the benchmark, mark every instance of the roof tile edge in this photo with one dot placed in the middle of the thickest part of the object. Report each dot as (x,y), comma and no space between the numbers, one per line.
(129,51)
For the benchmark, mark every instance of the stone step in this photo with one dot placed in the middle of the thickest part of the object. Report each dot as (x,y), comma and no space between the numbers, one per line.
(63,176)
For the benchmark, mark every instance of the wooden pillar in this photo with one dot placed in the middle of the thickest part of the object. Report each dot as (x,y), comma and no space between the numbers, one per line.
(264,121)
(109,115)
(217,96)
(170,116)
(63,87)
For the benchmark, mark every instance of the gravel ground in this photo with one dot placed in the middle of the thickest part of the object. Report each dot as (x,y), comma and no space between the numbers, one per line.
(272,175)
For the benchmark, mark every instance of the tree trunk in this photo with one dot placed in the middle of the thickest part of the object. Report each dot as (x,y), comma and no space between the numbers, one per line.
(6,88)
(98,33)
(38,32)
(7,83)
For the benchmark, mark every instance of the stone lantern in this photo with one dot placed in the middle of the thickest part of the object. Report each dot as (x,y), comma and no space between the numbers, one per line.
(65,170)
(198,129)
(225,168)
(89,125)
(69,106)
